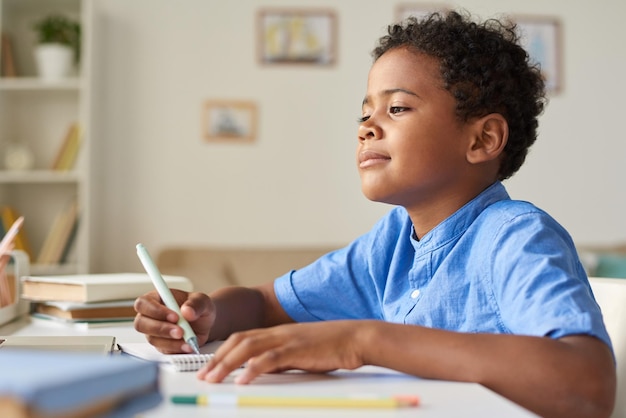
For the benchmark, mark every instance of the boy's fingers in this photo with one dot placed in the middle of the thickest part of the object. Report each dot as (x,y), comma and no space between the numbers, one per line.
(267,362)
(166,345)
(150,305)
(157,328)
(258,348)
(196,305)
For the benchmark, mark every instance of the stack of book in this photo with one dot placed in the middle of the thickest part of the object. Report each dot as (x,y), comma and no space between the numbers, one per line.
(90,299)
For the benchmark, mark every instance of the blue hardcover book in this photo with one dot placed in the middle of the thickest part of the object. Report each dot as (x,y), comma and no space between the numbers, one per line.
(50,384)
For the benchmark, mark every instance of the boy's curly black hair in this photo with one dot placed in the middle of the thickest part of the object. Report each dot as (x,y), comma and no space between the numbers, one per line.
(484,68)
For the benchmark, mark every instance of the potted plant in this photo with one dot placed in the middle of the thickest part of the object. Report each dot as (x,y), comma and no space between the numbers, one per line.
(58,46)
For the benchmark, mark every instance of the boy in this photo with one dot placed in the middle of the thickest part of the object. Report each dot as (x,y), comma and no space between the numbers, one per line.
(458,282)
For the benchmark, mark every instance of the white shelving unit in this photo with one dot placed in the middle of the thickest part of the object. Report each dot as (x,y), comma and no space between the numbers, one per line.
(37,114)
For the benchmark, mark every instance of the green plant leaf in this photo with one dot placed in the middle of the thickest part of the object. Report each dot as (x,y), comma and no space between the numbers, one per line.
(59,29)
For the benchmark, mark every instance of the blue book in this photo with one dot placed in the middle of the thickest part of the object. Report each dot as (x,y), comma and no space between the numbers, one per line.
(46,384)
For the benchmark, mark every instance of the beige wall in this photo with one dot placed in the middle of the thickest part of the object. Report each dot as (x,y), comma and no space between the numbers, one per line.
(158,183)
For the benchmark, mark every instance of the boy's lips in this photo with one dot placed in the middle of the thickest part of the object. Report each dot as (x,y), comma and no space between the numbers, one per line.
(368,158)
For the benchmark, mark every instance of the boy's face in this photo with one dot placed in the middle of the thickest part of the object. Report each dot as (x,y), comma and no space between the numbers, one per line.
(412,148)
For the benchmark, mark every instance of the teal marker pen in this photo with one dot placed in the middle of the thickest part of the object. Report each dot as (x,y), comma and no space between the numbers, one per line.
(166,295)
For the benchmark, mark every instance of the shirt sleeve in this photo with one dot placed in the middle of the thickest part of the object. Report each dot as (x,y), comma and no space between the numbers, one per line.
(342,284)
(539,282)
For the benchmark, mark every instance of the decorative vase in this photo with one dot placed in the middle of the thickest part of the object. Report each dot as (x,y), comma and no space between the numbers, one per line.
(18,157)
(54,61)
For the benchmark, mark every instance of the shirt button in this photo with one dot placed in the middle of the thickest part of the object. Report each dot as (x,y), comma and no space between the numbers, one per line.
(415,294)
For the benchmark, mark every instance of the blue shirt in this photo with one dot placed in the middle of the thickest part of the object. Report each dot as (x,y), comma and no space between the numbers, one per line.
(496,265)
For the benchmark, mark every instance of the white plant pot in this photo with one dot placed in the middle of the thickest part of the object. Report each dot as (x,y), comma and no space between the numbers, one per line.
(54,61)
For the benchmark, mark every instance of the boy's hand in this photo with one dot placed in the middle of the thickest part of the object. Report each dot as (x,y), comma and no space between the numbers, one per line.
(313,347)
(159,322)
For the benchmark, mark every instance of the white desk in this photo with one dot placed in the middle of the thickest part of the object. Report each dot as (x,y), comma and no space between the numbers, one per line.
(438,398)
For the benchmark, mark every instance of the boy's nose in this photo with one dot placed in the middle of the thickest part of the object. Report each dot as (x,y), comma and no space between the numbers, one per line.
(369,130)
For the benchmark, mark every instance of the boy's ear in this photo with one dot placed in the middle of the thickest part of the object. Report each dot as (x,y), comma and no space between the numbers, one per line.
(490,135)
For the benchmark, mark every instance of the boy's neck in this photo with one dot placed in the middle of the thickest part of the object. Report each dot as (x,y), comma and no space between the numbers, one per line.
(427,216)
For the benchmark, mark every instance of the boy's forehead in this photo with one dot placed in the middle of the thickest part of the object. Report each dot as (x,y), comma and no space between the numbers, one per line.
(404,67)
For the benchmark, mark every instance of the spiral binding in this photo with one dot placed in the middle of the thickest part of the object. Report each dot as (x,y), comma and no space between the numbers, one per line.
(189,362)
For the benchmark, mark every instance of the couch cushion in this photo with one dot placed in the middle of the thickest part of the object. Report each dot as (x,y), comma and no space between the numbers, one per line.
(210,268)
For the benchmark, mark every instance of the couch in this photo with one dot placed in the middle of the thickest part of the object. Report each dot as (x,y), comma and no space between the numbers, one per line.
(212,267)
(604,261)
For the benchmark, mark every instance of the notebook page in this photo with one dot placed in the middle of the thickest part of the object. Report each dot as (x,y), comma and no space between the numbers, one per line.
(179,362)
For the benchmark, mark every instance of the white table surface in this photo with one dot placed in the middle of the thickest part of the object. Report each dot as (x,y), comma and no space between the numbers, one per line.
(438,398)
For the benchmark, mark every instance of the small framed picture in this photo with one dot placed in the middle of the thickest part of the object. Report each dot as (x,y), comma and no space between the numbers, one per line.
(541,37)
(228,120)
(297,36)
(418,10)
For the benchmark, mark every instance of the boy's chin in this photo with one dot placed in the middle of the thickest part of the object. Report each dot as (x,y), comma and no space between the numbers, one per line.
(376,196)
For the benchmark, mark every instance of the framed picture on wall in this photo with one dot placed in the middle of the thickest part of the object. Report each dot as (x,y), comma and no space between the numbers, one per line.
(228,120)
(418,10)
(541,37)
(297,36)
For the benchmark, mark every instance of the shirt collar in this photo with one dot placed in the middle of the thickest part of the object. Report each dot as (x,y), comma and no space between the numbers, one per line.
(459,221)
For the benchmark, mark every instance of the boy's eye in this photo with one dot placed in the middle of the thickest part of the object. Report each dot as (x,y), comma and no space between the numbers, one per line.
(363,118)
(397,109)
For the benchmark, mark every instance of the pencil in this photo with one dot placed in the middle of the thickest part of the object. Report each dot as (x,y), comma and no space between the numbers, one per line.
(382,402)
(166,295)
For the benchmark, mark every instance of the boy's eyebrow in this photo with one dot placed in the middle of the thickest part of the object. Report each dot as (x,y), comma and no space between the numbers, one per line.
(389,92)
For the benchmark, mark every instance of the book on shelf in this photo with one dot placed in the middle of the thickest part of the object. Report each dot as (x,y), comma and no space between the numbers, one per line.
(9,215)
(94,287)
(91,311)
(39,384)
(60,236)
(7,58)
(68,151)
(65,253)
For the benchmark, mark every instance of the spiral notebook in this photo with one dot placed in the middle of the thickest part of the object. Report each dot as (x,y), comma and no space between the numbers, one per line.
(177,362)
